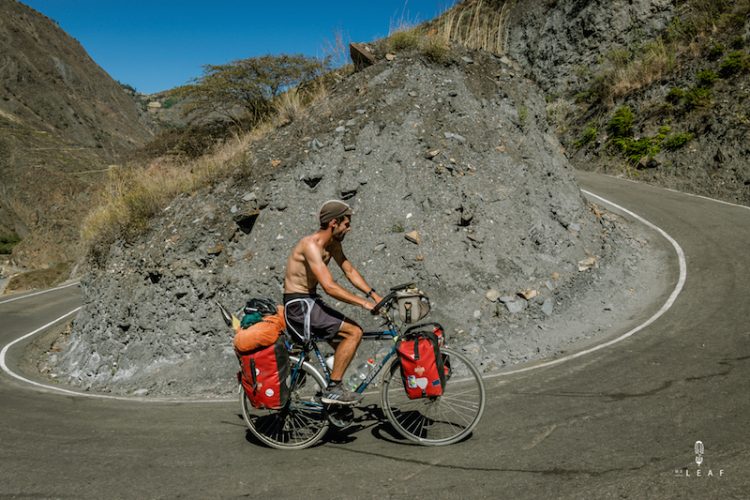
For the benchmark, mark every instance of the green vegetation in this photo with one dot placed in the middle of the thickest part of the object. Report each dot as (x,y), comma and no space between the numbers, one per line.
(694,97)
(706,78)
(623,71)
(734,63)
(675,95)
(169,102)
(7,242)
(635,149)
(249,85)
(397,228)
(621,123)
(676,141)
(435,49)
(715,51)
(737,42)
(404,39)
(697,97)
(589,134)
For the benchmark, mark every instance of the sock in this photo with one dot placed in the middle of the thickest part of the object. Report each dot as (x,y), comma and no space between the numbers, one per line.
(333,383)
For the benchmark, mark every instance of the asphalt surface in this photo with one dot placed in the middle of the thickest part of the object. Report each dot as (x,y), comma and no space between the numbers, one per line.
(617,423)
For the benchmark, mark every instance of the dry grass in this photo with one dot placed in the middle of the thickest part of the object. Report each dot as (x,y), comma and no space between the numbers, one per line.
(476,24)
(656,60)
(404,39)
(133,195)
(293,104)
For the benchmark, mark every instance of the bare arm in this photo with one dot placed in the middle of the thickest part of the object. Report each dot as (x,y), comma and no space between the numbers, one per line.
(351,272)
(325,279)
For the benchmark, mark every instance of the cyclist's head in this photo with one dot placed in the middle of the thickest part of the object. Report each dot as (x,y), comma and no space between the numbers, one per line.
(333,210)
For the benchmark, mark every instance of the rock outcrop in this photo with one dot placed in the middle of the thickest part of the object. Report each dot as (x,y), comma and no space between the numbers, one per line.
(457,183)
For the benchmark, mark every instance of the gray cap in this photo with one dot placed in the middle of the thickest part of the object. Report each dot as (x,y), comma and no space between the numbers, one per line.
(333,209)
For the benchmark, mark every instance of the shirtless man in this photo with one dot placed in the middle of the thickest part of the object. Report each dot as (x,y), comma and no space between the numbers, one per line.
(306,267)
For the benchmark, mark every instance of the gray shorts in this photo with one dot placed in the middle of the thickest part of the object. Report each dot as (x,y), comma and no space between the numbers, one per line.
(325,321)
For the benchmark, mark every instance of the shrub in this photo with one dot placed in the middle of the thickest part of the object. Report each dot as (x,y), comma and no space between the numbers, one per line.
(435,49)
(737,42)
(7,242)
(589,134)
(675,95)
(407,39)
(621,123)
(715,52)
(697,97)
(635,149)
(169,102)
(676,141)
(734,63)
(706,78)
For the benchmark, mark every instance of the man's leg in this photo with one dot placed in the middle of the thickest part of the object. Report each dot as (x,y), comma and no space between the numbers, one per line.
(349,337)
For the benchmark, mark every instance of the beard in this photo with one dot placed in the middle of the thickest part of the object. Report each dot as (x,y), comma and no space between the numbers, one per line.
(339,237)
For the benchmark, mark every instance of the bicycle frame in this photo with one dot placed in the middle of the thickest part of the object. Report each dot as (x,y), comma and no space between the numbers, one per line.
(391,333)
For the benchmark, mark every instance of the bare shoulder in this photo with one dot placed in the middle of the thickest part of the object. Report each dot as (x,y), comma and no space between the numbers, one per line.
(309,246)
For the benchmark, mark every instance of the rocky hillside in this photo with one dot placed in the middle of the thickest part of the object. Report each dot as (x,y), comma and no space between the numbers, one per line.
(681,68)
(63,121)
(457,181)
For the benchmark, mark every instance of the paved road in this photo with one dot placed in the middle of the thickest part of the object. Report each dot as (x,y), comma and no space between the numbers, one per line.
(616,423)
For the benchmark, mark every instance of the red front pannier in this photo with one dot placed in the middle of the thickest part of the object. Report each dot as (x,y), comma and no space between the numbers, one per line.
(264,374)
(422,365)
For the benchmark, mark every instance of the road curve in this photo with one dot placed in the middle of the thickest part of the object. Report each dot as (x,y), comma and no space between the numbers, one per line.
(617,423)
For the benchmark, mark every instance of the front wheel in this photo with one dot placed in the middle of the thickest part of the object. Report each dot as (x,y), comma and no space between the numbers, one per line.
(301,423)
(439,420)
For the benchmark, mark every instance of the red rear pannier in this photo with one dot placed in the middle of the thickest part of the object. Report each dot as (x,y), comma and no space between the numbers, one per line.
(422,368)
(264,374)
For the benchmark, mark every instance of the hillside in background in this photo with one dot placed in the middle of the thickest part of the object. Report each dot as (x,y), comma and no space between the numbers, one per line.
(655,90)
(63,121)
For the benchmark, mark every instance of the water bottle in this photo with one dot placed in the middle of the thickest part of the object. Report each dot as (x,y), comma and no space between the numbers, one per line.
(360,374)
(329,362)
(382,353)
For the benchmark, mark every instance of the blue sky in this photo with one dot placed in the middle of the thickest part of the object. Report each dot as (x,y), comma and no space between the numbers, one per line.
(159,44)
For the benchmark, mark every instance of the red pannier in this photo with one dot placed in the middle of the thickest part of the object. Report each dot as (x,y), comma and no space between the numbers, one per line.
(423,368)
(264,374)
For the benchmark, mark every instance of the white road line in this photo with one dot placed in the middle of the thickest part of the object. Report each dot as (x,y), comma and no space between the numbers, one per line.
(657,315)
(68,392)
(678,191)
(39,293)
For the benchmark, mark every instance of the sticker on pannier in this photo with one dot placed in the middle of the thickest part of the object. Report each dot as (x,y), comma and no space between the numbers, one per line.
(422,365)
(264,374)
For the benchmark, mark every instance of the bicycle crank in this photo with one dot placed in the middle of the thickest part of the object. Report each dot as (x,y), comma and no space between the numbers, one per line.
(340,417)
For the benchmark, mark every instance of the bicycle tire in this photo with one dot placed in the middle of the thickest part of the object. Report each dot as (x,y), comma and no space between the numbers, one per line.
(300,424)
(441,420)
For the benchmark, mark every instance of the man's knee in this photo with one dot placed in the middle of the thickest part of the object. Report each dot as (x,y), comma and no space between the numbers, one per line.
(351,331)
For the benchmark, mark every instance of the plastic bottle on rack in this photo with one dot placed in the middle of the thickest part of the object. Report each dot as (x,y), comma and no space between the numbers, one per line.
(329,362)
(360,374)
(379,355)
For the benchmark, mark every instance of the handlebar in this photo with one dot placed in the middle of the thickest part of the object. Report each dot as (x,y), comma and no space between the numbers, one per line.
(385,300)
(376,310)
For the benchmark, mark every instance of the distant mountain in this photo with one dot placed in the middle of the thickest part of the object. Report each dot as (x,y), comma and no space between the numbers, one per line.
(63,120)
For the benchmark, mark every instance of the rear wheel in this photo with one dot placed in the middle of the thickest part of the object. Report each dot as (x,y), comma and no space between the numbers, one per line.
(441,420)
(301,423)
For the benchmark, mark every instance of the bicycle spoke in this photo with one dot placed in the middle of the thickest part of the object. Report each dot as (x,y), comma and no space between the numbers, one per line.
(441,420)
